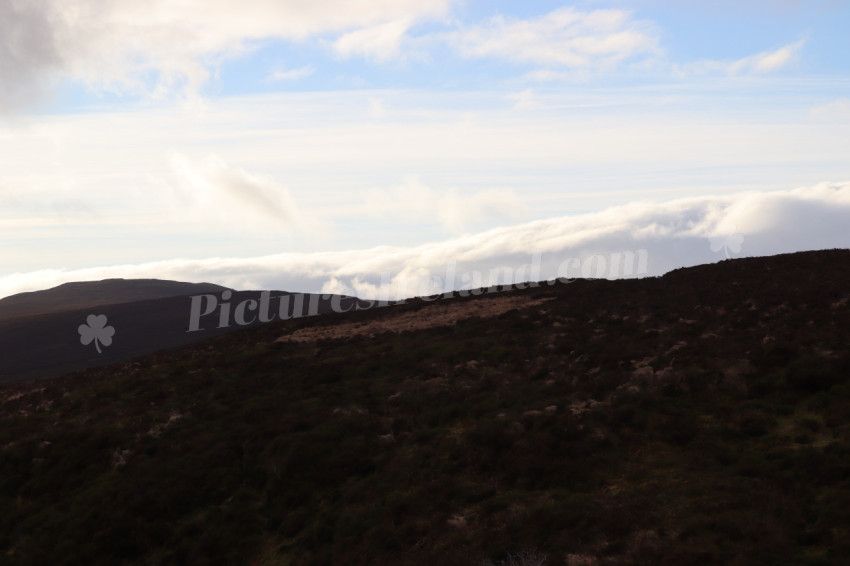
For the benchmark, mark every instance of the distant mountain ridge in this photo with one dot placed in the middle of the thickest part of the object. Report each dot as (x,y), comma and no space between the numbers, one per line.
(89,294)
(40,337)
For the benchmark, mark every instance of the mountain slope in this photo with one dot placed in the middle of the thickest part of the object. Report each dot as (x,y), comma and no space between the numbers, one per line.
(698,418)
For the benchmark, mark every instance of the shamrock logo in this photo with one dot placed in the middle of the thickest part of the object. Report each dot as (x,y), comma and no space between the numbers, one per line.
(96,330)
(726,243)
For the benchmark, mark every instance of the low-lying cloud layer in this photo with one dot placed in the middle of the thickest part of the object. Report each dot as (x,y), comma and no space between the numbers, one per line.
(628,241)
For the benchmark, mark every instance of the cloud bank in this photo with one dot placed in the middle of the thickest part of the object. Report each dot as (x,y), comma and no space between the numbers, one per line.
(627,241)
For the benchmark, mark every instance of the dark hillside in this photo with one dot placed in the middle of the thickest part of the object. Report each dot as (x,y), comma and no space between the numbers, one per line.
(49,345)
(698,418)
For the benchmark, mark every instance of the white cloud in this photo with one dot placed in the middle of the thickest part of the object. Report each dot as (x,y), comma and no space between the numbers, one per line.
(565,37)
(124,44)
(212,191)
(380,42)
(606,244)
(525,100)
(548,75)
(292,74)
(760,63)
(770,61)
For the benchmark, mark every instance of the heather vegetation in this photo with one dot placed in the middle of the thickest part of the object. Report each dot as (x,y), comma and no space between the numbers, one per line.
(698,418)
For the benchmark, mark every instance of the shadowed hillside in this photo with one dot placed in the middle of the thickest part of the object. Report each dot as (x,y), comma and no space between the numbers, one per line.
(698,418)
(88,294)
(146,315)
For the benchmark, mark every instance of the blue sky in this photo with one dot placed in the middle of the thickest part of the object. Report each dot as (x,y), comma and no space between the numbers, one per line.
(282,139)
(687,32)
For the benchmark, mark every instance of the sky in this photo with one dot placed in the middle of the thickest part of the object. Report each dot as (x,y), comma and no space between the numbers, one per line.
(403,147)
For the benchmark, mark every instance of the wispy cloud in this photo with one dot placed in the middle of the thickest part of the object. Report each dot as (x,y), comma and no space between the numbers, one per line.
(525,100)
(769,61)
(380,42)
(548,75)
(566,37)
(210,190)
(292,74)
(668,235)
(761,63)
